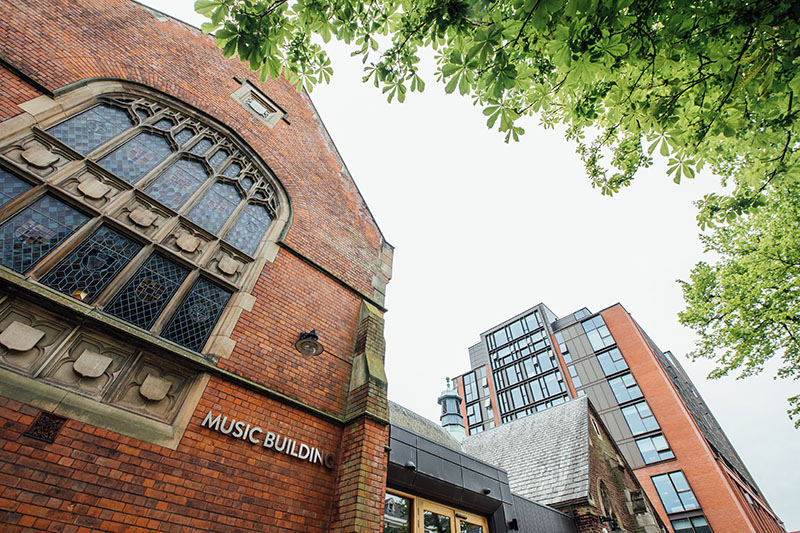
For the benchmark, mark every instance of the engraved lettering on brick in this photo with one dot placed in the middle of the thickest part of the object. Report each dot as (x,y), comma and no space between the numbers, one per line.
(188,242)
(91,364)
(20,337)
(154,388)
(39,157)
(93,188)
(142,217)
(228,265)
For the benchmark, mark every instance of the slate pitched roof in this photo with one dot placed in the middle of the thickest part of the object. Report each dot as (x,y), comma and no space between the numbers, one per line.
(545,454)
(405,418)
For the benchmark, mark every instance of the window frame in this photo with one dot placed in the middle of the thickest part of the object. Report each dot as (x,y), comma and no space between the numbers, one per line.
(641,419)
(419,505)
(658,451)
(57,180)
(677,493)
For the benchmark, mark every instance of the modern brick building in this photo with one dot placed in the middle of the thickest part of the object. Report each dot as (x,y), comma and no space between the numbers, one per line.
(656,417)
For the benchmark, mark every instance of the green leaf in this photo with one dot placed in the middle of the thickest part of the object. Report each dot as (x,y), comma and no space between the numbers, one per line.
(204,7)
(209,27)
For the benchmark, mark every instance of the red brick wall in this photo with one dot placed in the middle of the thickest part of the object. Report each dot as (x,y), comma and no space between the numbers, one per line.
(97,479)
(693,456)
(58,42)
(292,297)
(13,91)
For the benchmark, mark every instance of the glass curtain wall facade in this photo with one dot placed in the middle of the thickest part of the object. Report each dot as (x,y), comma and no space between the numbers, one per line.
(537,360)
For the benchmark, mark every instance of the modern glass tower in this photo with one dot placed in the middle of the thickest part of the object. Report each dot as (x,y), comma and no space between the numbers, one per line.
(655,415)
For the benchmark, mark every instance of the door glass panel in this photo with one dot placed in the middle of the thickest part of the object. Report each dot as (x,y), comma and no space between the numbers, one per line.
(397,514)
(470,528)
(436,523)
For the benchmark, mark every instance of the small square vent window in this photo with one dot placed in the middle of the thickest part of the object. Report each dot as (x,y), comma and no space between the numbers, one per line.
(45,427)
(259,104)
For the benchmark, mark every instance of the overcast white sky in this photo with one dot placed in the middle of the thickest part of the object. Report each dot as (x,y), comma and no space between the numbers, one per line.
(484,230)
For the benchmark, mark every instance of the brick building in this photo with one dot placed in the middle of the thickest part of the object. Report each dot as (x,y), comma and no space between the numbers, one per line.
(657,419)
(169,228)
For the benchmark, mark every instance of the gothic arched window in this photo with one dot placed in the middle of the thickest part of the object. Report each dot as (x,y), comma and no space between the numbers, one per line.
(143,209)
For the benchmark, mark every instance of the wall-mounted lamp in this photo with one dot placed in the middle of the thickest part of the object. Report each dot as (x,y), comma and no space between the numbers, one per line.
(611,521)
(308,344)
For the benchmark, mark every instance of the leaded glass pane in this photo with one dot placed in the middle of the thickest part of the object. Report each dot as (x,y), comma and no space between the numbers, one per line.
(201,147)
(143,298)
(249,229)
(215,206)
(184,135)
(142,113)
(91,267)
(36,231)
(178,183)
(198,313)
(247,182)
(218,158)
(86,131)
(233,170)
(164,124)
(137,157)
(11,187)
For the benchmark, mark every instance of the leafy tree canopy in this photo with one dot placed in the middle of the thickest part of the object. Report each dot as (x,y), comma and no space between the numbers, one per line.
(746,307)
(703,83)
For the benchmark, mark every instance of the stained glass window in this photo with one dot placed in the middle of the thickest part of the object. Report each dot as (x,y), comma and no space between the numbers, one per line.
(88,130)
(36,231)
(247,182)
(137,157)
(198,313)
(233,170)
(143,113)
(164,124)
(143,298)
(178,183)
(91,267)
(11,187)
(248,230)
(184,135)
(215,206)
(218,158)
(201,147)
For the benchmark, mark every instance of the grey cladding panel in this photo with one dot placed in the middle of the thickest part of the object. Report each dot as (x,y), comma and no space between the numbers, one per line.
(631,453)
(478,355)
(591,370)
(601,396)
(614,419)
(535,518)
